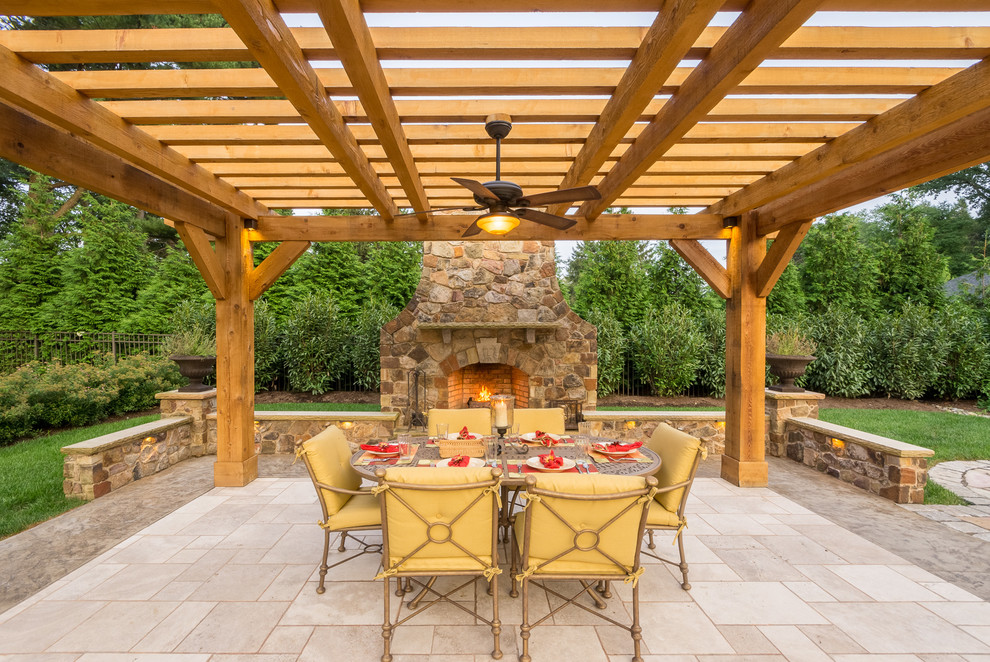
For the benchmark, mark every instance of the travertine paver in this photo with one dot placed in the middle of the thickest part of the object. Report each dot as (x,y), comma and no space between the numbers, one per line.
(232,575)
(969,480)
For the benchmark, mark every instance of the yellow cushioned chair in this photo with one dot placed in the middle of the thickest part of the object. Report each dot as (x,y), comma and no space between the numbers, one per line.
(680,454)
(477,420)
(545,420)
(439,522)
(581,527)
(345,508)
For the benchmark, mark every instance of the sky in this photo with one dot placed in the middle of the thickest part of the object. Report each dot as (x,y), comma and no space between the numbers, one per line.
(601,19)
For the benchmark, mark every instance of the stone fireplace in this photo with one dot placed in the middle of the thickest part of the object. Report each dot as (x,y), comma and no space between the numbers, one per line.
(488,315)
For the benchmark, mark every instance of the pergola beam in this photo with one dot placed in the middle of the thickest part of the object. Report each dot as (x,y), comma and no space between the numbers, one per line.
(204,257)
(450,228)
(676,27)
(278,261)
(964,143)
(25,86)
(959,96)
(344,22)
(260,26)
(710,269)
(762,26)
(779,255)
(31,142)
(466,43)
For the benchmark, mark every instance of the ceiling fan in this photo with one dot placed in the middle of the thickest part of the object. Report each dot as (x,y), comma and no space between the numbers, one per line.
(505,201)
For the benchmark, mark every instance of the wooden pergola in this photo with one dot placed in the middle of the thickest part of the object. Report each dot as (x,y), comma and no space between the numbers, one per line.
(678,113)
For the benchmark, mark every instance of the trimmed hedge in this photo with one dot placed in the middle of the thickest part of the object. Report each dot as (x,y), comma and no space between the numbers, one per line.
(51,395)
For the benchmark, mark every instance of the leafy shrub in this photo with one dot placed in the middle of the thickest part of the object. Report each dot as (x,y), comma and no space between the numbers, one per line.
(967,360)
(841,367)
(50,395)
(314,348)
(365,342)
(907,352)
(666,349)
(267,347)
(611,351)
(711,373)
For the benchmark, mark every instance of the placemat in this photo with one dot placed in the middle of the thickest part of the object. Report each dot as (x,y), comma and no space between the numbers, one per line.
(369,458)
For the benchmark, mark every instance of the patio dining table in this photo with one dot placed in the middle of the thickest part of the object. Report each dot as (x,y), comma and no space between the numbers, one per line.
(513,458)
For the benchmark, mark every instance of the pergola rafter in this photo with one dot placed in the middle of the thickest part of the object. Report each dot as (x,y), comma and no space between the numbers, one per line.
(756,128)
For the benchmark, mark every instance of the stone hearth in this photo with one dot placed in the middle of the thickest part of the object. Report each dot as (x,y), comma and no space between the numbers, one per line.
(489,310)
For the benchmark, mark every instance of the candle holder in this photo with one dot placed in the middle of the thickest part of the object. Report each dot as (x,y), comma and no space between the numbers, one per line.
(502,412)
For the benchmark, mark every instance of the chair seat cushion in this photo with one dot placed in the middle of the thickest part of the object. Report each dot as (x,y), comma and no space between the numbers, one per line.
(660,516)
(565,567)
(360,510)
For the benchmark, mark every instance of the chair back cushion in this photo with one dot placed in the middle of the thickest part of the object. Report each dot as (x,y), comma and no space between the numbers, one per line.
(329,456)
(477,420)
(415,515)
(545,420)
(677,451)
(572,527)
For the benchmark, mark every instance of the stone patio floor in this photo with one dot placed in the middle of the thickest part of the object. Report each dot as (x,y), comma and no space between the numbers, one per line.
(969,480)
(808,569)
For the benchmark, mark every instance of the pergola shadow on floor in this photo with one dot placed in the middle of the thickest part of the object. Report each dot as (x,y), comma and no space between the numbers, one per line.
(716,118)
(231,575)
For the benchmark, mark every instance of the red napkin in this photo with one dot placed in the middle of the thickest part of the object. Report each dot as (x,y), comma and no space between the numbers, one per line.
(551,461)
(464,434)
(545,438)
(616,447)
(459,461)
(381,448)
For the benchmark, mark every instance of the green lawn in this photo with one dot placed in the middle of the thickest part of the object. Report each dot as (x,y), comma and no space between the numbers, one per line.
(951,436)
(31,475)
(318,406)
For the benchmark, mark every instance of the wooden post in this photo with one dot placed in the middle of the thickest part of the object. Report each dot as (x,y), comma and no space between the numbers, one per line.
(237,463)
(743,462)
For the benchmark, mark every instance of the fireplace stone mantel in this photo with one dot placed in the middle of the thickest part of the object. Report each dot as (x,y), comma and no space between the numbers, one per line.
(531,328)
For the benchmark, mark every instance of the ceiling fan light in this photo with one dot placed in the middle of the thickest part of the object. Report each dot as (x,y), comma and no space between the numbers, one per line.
(498,222)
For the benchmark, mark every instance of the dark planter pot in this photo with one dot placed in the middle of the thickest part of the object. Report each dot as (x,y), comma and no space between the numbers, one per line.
(194,368)
(787,369)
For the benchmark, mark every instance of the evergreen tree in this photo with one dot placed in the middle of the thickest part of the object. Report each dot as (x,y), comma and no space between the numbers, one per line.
(670,278)
(31,256)
(912,271)
(175,279)
(335,269)
(101,278)
(392,271)
(611,276)
(837,268)
(787,296)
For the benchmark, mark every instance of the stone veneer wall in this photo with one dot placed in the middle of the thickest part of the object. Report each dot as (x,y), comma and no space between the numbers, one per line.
(709,426)
(886,467)
(279,431)
(489,302)
(97,466)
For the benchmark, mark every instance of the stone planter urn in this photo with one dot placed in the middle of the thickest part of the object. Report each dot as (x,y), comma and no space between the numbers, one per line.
(194,368)
(787,368)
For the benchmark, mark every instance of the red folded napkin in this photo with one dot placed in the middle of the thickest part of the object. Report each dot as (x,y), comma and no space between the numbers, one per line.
(459,461)
(381,448)
(616,447)
(464,434)
(545,438)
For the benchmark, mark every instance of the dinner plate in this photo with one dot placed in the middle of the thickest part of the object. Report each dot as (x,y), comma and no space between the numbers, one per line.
(394,453)
(603,451)
(531,436)
(457,435)
(534,462)
(474,462)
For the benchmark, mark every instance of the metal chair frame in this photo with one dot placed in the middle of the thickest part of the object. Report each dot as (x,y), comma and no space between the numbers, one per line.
(520,556)
(367,548)
(679,536)
(415,577)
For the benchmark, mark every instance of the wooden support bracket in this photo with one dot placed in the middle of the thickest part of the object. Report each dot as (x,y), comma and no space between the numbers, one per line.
(265,274)
(779,255)
(702,262)
(204,257)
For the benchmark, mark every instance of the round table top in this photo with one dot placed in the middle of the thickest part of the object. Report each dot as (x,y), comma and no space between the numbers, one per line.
(516,454)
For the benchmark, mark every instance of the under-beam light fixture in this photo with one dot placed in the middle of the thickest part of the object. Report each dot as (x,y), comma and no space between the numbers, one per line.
(498,222)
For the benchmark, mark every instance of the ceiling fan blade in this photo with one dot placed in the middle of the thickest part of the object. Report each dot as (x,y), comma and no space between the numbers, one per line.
(477,188)
(433,211)
(472,230)
(563,195)
(543,218)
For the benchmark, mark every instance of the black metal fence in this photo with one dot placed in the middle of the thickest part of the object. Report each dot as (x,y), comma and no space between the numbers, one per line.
(632,385)
(20,347)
